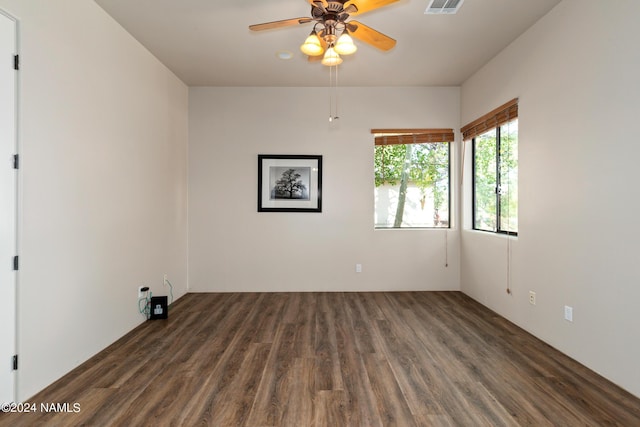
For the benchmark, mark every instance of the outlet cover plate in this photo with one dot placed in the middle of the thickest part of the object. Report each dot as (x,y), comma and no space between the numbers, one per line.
(568,313)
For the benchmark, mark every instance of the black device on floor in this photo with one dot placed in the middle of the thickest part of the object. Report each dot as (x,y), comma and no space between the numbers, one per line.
(158,308)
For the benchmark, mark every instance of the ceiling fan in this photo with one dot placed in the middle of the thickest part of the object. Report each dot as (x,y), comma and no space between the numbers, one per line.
(332,31)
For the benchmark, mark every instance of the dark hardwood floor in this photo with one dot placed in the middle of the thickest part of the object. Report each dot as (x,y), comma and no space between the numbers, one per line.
(332,359)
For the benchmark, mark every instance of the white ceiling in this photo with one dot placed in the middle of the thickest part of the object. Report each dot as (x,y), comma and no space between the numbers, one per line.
(208,43)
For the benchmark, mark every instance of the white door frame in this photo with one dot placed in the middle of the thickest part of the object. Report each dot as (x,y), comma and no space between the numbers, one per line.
(8,205)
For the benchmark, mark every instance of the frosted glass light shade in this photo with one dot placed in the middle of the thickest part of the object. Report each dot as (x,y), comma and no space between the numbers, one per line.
(345,45)
(331,58)
(312,46)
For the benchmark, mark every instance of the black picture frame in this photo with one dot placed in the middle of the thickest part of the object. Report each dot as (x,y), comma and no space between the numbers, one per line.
(289,183)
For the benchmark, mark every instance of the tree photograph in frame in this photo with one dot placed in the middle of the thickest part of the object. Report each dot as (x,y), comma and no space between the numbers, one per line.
(289,183)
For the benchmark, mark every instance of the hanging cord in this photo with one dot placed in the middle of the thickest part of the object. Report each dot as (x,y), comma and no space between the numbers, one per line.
(508,223)
(446,233)
(170,291)
(464,153)
(508,264)
(145,309)
(336,117)
(333,93)
(330,95)
(508,250)
(446,248)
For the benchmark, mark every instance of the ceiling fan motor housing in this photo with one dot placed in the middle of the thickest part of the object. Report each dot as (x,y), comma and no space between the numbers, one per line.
(334,10)
(336,6)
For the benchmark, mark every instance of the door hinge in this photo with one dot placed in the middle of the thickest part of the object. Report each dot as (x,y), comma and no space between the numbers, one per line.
(16,62)
(16,263)
(16,161)
(15,362)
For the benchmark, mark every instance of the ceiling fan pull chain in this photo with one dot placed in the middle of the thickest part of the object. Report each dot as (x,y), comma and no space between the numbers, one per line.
(333,93)
(330,95)
(336,117)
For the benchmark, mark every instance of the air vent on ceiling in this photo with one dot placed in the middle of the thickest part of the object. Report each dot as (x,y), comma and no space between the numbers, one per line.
(438,7)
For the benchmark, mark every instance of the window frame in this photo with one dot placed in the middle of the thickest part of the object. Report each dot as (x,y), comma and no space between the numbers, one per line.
(418,137)
(497,189)
(492,121)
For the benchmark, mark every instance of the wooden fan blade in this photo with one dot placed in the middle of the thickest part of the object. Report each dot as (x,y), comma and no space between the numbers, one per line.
(367,5)
(323,2)
(279,24)
(370,36)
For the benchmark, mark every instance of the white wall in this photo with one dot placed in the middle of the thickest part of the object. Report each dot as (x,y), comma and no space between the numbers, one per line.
(576,74)
(103,135)
(232,247)
(104,187)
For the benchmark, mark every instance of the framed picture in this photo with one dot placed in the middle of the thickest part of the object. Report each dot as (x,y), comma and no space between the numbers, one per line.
(289,183)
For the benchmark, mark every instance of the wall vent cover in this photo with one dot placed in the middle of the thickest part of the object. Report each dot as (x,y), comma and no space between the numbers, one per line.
(439,7)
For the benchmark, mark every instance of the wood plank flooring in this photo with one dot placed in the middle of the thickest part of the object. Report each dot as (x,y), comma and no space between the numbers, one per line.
(332,359)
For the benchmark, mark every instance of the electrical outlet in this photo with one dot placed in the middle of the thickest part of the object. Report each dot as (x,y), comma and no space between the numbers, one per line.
(532,298)
(164,281)
(358,268)
(568,313)
(141,292)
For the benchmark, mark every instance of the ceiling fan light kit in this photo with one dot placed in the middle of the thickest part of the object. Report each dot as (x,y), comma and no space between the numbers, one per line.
(332,36)
(332,31)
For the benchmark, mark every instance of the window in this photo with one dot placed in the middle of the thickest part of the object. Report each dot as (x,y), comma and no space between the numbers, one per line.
(411,168)
(495,169)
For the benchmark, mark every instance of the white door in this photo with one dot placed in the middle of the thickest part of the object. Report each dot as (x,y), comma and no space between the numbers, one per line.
(8,203)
